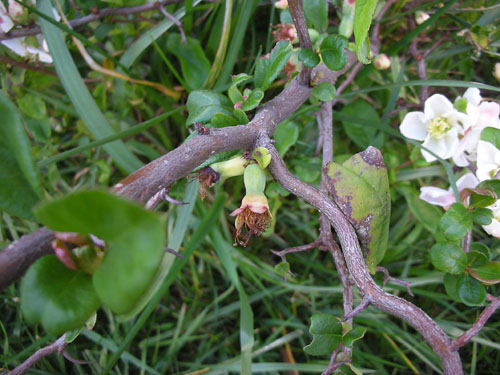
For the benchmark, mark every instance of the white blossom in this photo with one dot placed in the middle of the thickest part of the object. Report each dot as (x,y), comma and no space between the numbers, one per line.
(493,229)
(488,161)
(438,126)
(5,22)
(481,114)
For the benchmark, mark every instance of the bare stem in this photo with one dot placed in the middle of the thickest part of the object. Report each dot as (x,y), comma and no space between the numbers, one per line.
(299,21)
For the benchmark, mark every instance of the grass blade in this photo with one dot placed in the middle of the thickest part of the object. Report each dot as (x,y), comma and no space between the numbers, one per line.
(80,95)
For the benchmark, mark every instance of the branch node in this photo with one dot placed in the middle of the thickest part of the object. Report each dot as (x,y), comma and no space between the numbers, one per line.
(388,277)
(365,302)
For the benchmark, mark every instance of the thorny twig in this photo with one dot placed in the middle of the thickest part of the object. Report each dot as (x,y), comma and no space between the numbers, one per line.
(58,346)
(106,12)
(388,277)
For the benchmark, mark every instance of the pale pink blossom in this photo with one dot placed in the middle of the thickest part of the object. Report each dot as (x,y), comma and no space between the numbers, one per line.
(493,229)
(445,198)
(5,22)
(488,161)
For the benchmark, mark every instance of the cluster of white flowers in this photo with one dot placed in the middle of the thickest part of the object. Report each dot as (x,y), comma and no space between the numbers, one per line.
(33,47)
(451,133)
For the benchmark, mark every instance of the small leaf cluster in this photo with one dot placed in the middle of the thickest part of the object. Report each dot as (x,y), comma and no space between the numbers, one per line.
(467,272)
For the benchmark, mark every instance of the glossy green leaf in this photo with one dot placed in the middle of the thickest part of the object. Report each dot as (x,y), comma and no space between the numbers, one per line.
(456,222)
(476,258)
(363,14)
(39,129)
(488,273)
(203,104)
(427,214)
(285,136)
(482,216)
(233,91)
(332,51)
(482,248)
(13,138)
(253,100)
(470,291)
(491,135)
(221,119)
(450,285)
(134,236)
(267,69)
(448,257)
(493,185)
(194,64)
(353,335)
(309,58)
(240,115)
(316,12)
(282,268)
(327,335)
(325,91)
(57,297)
(79,94)
(350,183)
(481,198)
(362,135)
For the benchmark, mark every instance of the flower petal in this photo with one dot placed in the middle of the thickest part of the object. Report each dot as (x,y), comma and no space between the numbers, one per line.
(488,160)
(467,181)
(473,96)
(437,105)
(488,115)
(436,196)
(413,126)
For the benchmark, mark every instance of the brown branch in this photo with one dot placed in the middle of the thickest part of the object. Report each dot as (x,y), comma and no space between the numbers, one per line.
(295,7)
(175,21)
(58,346)
(106,12)
(478,324)
(399,307)
(388,277)
(177,164)
(365,302)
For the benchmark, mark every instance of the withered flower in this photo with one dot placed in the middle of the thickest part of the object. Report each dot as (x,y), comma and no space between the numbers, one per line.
(253,215)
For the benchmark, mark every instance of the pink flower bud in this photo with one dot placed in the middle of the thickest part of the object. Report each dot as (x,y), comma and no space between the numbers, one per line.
(382,62)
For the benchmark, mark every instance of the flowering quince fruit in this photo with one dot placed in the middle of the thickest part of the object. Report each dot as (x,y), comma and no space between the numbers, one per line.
(493,229)
(481,115)
(488,161)
(445,198)
(438,126)
(254,214)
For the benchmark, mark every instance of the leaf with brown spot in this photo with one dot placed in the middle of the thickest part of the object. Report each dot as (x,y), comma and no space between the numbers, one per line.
(360,188)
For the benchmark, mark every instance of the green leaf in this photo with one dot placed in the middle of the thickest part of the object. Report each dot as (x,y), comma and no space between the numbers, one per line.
(482,216)
(493,185)
(476,258)
(39,129)
(79,94)
(316,12)
(203,104)
(353,335)
(491,135)
(233,91)
(285,136)
(332,51)
(309,58)
(240,115)
(488,273)
(450,284)
(327,335)
(281,269)
(456,222)
(427,214)
(57,297)
(134,236)
(363,136)
(267,69)
(253,100)
(16,197)
(363,14)
(448,257)
(13,137)
(482,248)
(221,119)
(325,91)
(481,198)
(194,64)
(33,106)
(350,183)
(470,291)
